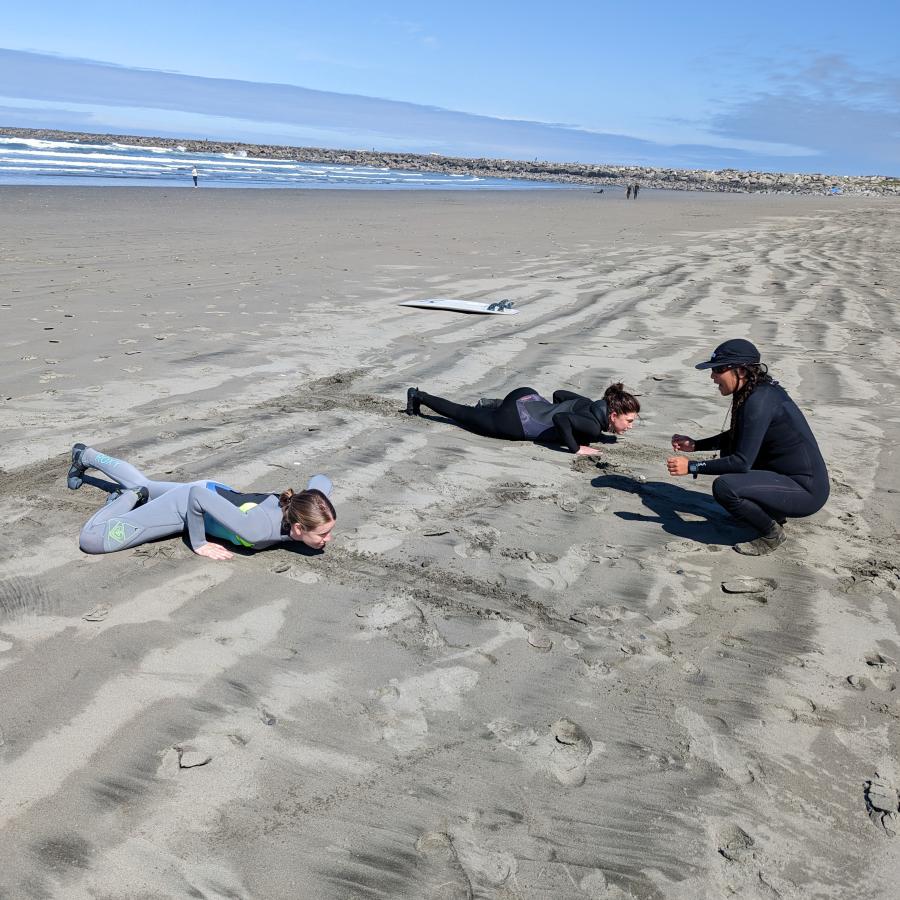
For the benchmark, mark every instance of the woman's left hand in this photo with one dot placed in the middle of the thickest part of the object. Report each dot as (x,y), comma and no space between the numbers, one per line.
(587,451)
(677,465)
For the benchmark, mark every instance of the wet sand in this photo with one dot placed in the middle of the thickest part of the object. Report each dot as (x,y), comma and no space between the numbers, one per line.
(513,674)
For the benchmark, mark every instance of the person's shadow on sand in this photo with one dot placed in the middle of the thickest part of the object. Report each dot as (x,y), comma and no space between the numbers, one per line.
(667,501)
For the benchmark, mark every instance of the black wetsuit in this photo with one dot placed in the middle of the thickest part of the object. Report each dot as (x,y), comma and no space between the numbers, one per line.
(523,415)
(773,468)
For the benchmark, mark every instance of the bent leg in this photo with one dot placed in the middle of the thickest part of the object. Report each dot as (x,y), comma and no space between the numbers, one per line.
(118,525)
(124,473)
(759,498)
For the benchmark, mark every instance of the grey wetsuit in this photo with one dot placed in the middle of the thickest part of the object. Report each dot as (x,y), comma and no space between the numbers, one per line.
(204,507)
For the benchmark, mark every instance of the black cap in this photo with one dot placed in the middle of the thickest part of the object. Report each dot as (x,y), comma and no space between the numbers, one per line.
(736,352)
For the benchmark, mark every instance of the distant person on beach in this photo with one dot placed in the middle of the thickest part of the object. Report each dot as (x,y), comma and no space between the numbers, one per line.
(628,192)
(195,175)
(635,190)
(524,415)
(770,468)
(144,510)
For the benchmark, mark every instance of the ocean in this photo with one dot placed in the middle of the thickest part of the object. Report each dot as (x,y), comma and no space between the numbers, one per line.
(29,162)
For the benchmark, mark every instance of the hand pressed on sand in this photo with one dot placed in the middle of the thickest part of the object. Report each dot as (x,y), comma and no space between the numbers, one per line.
(213,551)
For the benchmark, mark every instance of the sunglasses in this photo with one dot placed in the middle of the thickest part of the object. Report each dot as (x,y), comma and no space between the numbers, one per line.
(721,370)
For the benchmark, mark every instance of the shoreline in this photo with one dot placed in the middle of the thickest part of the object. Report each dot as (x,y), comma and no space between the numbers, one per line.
(720,181)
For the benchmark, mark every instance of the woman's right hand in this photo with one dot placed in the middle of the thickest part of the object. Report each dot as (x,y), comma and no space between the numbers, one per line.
(213,551)
(683,443)
(587,451)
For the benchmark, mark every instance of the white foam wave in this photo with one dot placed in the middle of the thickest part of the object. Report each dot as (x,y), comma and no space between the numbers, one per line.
(39,159)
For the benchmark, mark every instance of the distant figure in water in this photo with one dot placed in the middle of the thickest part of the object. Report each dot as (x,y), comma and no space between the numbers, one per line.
(195,175)
(628,193)
(524,415)
(769,468)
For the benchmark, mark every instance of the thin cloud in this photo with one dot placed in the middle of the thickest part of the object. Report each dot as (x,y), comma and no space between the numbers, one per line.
(850,117)
(412,29)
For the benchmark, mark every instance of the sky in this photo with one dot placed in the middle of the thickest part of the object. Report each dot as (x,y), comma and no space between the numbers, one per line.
(791,86)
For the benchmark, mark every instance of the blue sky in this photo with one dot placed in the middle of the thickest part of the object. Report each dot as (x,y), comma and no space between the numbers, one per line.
(796,86)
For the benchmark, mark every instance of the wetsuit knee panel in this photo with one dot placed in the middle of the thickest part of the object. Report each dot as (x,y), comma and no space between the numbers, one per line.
(723,490)
(89,541)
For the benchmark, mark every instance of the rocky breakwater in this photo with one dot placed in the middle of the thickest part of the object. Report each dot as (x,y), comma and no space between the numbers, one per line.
(721,180)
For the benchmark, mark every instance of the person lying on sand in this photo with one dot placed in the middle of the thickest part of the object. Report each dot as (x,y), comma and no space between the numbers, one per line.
(524,415)
(145,510)
(769,466)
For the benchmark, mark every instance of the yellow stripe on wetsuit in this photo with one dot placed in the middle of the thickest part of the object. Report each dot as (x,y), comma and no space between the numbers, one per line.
(237,539)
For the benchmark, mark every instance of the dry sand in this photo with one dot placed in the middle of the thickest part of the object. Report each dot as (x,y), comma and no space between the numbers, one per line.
(513,674)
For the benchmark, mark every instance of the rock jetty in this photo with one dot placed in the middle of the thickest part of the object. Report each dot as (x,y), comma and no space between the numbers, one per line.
(722,180)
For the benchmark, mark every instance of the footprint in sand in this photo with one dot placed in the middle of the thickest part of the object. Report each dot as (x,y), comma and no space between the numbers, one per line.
(513,492)
(794,708)
(734,844)
(540,640)
(595,666)
(531,555)
(744,870)
(399,708)
(607,551)
(439,873)
(594,886)
(881,673)
(599,504)
(563,573)
(882,803)
(97,614)
(747,585)
(402,619)
(563,752)
(456,863)
(477,541)
(569,757)
(691,547)
(633,634)
(712,742)
(604,615)
(384,533)
(303,577)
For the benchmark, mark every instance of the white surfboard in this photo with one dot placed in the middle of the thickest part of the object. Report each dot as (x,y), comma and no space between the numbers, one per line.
(497,308)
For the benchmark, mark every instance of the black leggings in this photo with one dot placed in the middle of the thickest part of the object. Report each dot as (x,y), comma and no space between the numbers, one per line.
(760,498)
(492,421)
